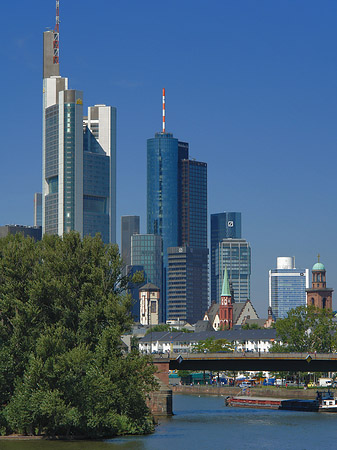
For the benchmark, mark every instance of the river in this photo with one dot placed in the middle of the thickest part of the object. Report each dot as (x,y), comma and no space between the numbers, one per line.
(205,423)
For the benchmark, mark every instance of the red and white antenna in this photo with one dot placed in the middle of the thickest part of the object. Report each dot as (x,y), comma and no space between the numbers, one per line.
(163,110)
(56,42)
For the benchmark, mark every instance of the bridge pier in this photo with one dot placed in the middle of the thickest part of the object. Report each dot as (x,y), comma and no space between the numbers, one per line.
(160,402)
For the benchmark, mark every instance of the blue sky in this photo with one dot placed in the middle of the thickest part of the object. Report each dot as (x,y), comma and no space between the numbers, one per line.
(251,85)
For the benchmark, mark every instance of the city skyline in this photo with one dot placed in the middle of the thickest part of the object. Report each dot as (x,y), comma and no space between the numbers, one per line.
(261,103)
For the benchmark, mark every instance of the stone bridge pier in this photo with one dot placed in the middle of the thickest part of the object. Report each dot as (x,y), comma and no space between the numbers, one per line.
(160,402)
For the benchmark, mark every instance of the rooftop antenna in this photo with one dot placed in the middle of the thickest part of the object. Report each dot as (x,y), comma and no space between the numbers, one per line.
(163,110)
(56,41)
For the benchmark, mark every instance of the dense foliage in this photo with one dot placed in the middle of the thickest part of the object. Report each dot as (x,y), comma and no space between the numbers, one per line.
(306,329)
(211,345)
(62,312)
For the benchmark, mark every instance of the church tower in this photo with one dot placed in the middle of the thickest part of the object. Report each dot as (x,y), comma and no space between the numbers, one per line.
(226,307)
(319,295)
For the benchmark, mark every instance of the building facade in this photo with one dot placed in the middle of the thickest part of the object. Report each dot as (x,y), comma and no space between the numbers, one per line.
(235,254)
(318,294)
(287,286)
(225,225)
(130,225)
(146,251)
(187,283)
(26,231)
(37,209)
(79,158)
(149,298)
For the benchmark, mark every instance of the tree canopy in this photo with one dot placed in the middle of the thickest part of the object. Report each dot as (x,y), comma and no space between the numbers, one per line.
(63,309)
(212,345)
(306,329)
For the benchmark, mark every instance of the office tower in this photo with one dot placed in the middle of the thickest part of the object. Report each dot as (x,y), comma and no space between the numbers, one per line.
(146,251)
(37,209)
(26,231)
(319,295)
(236,255)
(287,286)
(194,203)
(225,225)
(187,283)
(176,197)
(79,156)
(133,289)
(129,226)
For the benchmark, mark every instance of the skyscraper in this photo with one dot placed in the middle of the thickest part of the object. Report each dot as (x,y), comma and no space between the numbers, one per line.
(287,286)
(79,156)
(235,254)
(224,225)
(37,209)
(129,227)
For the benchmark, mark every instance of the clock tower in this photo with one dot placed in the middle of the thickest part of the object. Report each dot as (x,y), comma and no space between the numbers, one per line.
(226,307)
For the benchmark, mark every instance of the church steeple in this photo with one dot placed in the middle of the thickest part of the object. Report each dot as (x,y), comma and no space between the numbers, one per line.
(226,307)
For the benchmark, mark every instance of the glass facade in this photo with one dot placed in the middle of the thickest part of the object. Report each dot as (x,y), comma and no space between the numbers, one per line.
(236,255)
(287,290)
(129,226)
(37,209)
(194,204)
(146,251)
(224,225)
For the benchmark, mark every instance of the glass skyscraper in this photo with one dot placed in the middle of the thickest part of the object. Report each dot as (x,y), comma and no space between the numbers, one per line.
(287,286)
(224,225)
(37,209)
(235,254)
(79,158)
(129,227)
(146,251)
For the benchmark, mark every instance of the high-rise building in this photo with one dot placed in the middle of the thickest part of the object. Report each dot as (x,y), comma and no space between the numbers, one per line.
(176,199)
(146,251)
(187,283)
(319,295)
(235,254)
(225,225)
(37,209)
(25,230)
(129,227)
(287,286)
(79,157)
(194,204)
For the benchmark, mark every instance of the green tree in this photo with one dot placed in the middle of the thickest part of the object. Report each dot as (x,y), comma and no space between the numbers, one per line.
(306,329)
(62,313)
(211,345)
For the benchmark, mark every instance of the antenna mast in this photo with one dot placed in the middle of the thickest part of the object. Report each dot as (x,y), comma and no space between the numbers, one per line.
(56,41)
(163,110)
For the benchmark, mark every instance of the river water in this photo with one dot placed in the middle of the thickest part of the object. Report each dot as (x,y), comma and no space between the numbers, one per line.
(205,423)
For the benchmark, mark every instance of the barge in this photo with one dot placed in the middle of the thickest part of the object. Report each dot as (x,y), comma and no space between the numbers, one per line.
(325,401)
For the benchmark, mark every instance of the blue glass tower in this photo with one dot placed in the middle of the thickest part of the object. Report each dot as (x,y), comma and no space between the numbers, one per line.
(225,225)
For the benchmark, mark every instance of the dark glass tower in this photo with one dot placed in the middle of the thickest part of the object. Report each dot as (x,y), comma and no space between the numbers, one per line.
(225,225)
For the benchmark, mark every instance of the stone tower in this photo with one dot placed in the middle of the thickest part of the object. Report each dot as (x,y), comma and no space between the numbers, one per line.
(319,295)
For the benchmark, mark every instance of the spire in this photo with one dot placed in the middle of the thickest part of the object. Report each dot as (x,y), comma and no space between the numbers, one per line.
(164,110)
(56,42)
(226,292)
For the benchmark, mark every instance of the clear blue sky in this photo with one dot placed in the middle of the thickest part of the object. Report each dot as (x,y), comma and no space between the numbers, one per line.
(251,85)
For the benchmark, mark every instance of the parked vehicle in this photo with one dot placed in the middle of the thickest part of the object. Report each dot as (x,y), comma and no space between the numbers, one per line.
(245,385)
(324,382)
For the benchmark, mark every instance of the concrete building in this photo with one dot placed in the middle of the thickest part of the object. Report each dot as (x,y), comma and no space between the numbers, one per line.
(319,295)
(79,158)
(130,225)
(187,283)
(225,225)
(287,286)
(235,254)
(149,297)
(33,232)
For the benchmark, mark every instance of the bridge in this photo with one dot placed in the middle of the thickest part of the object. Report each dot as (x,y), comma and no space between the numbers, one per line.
(247,361)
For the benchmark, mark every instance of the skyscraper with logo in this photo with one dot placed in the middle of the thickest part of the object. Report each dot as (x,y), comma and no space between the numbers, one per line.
(79,156)
(225,225)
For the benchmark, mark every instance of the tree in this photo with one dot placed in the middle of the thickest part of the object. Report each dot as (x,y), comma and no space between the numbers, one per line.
(306,329)
(62,313)
(212,345)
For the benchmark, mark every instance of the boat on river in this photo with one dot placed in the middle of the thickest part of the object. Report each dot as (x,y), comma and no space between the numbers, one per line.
(325,401)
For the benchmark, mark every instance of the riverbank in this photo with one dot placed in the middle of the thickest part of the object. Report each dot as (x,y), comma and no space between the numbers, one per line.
(271,392)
